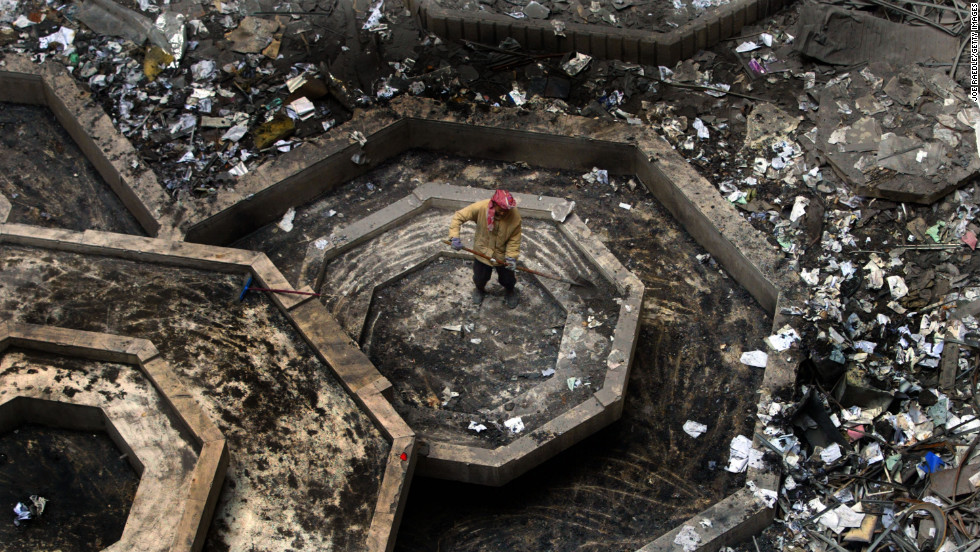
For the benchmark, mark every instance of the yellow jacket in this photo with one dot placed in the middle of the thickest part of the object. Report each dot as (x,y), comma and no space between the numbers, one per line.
(503,241)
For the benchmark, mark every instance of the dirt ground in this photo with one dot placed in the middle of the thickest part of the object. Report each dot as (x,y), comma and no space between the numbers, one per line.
(85,478)
(48,180)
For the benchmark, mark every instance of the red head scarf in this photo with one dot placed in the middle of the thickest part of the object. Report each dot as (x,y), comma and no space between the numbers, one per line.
(501,201)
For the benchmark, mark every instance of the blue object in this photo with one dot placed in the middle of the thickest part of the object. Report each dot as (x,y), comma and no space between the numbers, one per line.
(932,463)
(248,284)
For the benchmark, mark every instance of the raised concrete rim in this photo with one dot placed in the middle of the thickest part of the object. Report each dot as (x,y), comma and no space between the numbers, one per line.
(212,461)
(472,464)
(318,328)
(294,179)
(112,154)
(601,41)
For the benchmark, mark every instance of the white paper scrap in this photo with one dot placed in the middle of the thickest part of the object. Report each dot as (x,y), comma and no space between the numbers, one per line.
(831,453)
(63,36)
(799,208)
(626,206)
(742,455)
(896,284)
(701,128)
(238,170)
(783,339)
(22,22)
(515,425)
(303,107)
(840,518)
(476,427)
(688,539)
(767,496)
(756,359)
(234,133)
(694,429)
(746,47)
(286,224)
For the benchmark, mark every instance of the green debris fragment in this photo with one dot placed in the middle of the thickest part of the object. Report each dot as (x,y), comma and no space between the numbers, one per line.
(934,230)
(892,461)
(939,412)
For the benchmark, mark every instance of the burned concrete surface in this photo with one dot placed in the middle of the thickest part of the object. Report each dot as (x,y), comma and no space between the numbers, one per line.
(302,451)
(47,179)
(444,354)
(83,475)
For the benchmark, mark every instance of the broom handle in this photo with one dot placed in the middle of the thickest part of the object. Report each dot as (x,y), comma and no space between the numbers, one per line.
(283,291)
(521,268)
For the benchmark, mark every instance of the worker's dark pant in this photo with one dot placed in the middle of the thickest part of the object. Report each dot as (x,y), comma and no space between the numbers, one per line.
(482,272)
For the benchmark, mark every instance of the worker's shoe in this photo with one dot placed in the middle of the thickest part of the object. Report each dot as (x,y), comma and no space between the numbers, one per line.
(478,295)
(512,299)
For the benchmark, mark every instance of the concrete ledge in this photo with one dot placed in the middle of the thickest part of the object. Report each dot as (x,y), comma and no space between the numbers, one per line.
(23,81)
(732,520)
(548,140)
(4,209)
(393,495)
(645,47)
(212,461)
(134,248)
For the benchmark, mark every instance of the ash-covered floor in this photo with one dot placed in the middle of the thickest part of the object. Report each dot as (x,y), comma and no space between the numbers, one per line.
(47,179)
(85,478)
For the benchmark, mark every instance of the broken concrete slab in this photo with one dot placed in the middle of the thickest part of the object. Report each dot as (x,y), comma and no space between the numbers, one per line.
(848,37)
(910,161)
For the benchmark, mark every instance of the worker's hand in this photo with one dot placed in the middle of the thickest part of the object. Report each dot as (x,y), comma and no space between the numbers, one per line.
(457,244)
(511,263)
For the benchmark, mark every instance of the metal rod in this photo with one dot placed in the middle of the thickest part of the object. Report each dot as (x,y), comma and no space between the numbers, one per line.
(713,89)
(913,15)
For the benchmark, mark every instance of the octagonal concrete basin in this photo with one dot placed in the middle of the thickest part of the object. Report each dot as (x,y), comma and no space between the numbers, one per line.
(493,414)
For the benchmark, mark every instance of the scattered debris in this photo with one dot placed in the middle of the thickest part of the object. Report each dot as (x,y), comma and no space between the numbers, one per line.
(757,359)
(694,429)
(476,427)
(30,509)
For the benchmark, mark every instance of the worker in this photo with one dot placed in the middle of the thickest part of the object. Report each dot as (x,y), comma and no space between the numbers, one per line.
(498,236)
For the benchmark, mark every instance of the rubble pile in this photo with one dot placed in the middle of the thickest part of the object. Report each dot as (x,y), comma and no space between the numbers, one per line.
(207,91)
(865,178)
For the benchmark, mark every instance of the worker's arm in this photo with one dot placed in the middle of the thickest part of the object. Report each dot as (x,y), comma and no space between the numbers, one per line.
(469,213)
(513,248)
